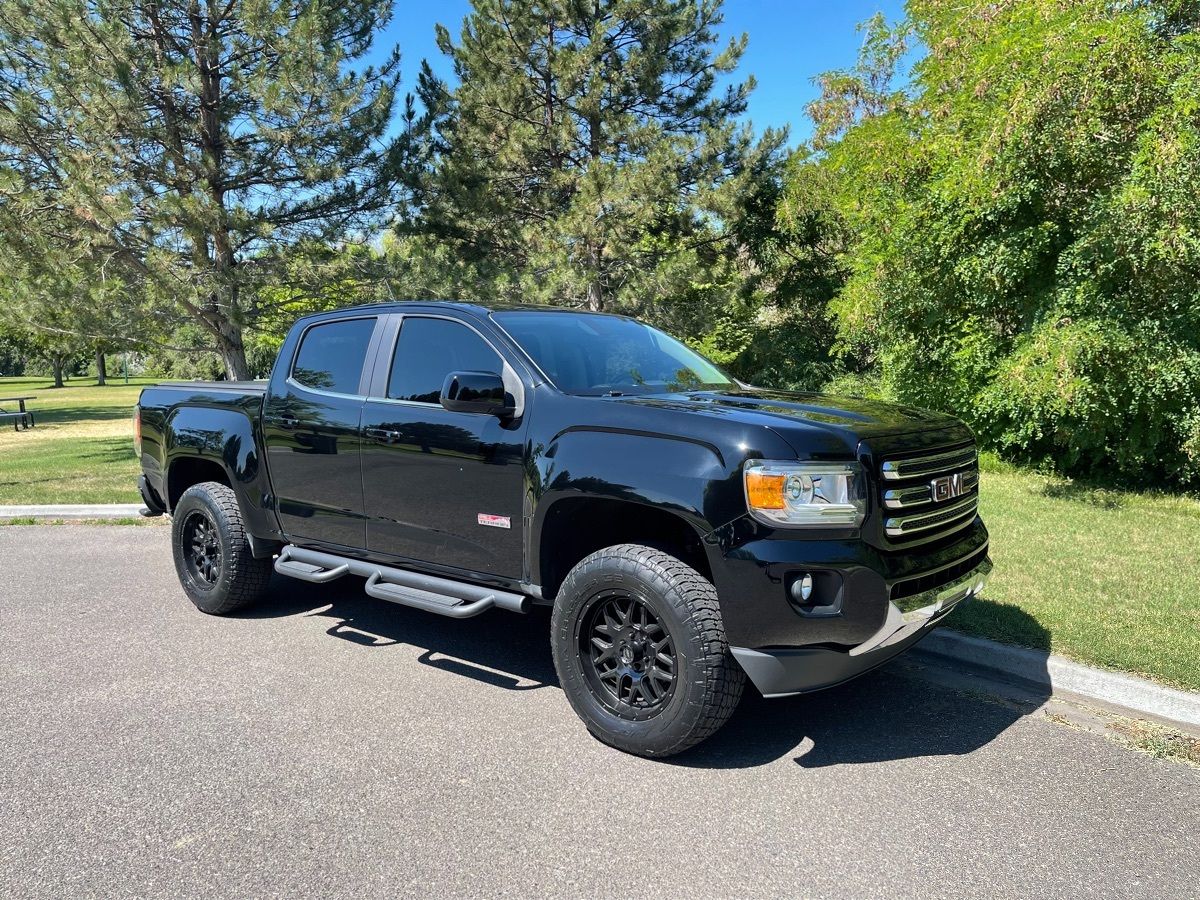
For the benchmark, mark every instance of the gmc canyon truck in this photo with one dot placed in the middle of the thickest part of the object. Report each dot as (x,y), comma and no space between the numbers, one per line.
(688,530)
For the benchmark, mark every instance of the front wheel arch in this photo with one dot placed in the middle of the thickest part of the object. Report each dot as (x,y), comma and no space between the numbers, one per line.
(571,528)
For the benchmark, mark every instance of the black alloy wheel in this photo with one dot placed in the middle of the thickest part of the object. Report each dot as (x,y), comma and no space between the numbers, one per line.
(202,547)
(629,656)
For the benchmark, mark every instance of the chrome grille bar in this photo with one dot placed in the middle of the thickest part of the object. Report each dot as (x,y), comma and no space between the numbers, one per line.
(897,470)
(900,526)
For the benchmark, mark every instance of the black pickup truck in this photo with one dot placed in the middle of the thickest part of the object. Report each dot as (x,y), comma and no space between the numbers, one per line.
(688,530)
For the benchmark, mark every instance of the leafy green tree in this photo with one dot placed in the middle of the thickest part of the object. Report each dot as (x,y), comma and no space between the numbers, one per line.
(584,157)
(194,145)
(1024,224)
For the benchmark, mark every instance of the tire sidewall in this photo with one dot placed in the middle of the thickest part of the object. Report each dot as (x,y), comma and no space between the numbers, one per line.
(207,598)
(659,734)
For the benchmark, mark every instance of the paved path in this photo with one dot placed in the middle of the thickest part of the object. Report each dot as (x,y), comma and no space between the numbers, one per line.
(332,745)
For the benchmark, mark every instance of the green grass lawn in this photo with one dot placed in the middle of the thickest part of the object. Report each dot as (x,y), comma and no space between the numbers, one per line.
(1106,577)
(81,450)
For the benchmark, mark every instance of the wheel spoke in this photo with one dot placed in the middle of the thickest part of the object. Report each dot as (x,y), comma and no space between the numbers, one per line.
(605,648)
(648,690)
(665,677)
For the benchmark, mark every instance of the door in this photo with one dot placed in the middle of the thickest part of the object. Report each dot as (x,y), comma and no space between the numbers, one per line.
(441,487)
(311,432)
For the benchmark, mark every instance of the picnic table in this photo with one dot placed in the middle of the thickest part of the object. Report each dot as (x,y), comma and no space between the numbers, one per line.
(24,418)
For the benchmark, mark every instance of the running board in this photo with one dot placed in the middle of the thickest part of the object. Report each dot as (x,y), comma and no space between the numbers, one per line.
(444,596)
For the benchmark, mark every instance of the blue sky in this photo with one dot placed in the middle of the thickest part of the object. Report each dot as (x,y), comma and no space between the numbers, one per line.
(790,42)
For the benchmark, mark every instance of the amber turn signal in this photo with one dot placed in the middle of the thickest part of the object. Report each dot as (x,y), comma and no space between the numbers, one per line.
(764,491)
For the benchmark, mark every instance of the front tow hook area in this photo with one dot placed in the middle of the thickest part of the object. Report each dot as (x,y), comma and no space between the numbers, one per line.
(798,670)
(924,609)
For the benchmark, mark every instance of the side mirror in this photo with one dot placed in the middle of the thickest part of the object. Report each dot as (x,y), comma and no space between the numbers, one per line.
(477,392)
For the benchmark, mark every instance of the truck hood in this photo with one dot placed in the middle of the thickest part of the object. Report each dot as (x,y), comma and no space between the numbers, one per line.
(799,417)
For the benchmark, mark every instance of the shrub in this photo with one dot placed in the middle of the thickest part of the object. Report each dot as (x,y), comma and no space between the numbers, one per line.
(1093,397)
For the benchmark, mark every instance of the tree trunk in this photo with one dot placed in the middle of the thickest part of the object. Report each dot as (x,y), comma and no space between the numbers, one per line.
(595,290)
(233,352)
(101,369)
(595,296)
(57,363)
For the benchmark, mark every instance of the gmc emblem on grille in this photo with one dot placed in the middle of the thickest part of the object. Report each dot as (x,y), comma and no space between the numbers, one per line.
(947,487)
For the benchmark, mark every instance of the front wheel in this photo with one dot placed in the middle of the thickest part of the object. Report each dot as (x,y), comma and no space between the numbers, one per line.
(640,651)
(212,555)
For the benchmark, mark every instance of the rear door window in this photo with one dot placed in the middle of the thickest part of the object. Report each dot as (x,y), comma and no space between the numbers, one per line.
(430,349)
(331,355)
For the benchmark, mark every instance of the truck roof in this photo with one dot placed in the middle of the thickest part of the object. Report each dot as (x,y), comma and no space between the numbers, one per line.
(470,307)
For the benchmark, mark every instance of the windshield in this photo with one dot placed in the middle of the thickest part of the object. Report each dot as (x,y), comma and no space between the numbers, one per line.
(590,353)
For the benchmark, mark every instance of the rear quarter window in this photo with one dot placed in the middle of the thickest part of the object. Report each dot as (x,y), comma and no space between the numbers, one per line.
(332,354)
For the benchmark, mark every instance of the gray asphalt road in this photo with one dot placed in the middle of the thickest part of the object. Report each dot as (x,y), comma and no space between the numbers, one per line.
(331,745)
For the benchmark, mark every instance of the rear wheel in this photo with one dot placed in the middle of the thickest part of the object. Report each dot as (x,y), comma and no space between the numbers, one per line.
(212,554)
(640,651)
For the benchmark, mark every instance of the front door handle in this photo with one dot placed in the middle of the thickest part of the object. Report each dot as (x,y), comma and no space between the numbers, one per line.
(384,434)
(288,421)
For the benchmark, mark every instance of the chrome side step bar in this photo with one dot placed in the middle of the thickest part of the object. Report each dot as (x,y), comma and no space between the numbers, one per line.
(444,596)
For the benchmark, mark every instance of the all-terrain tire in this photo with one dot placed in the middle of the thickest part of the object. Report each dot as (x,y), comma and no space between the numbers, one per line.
(708,681)
(212,555)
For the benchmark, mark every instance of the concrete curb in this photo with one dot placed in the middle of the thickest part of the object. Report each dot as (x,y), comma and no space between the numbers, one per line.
(72,511)
(1061,675)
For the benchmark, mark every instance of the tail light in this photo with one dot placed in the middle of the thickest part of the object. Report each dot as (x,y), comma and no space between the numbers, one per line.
(137,430)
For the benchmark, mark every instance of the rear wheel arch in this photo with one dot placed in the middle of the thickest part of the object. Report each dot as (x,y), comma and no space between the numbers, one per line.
(187,471)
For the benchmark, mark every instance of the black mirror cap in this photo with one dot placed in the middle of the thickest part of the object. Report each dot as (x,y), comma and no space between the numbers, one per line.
(477,392)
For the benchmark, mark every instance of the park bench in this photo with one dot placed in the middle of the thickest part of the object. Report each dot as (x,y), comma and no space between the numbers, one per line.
(23,418)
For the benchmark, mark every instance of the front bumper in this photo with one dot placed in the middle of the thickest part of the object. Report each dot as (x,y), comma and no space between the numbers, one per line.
(798,670)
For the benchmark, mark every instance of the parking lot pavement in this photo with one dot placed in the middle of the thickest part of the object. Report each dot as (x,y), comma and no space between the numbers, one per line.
(329,744)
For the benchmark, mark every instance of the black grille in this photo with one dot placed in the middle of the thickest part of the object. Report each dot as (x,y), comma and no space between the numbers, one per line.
(922,583)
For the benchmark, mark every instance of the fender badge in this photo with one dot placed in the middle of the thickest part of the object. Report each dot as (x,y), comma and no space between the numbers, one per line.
(494,521)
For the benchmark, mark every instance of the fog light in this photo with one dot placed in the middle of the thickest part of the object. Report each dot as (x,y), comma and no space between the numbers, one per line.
(802,588)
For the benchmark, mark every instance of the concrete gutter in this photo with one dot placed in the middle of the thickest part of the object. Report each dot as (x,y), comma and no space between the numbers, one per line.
(72,511)
(1059,675)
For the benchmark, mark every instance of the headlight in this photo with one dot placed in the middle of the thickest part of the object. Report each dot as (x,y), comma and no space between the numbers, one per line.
(817,494)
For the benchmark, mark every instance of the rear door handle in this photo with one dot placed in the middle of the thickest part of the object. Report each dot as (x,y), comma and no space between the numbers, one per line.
(288,421)
(384,434)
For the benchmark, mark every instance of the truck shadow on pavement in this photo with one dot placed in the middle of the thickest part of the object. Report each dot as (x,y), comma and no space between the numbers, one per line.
(889,714)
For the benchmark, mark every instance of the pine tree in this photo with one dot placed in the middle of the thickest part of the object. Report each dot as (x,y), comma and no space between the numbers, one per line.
(579,158)
(193,144)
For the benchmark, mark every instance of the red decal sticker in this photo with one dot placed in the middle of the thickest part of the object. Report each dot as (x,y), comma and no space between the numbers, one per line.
(494,521)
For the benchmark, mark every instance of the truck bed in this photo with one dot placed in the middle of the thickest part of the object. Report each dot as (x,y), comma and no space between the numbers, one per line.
(247,387)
